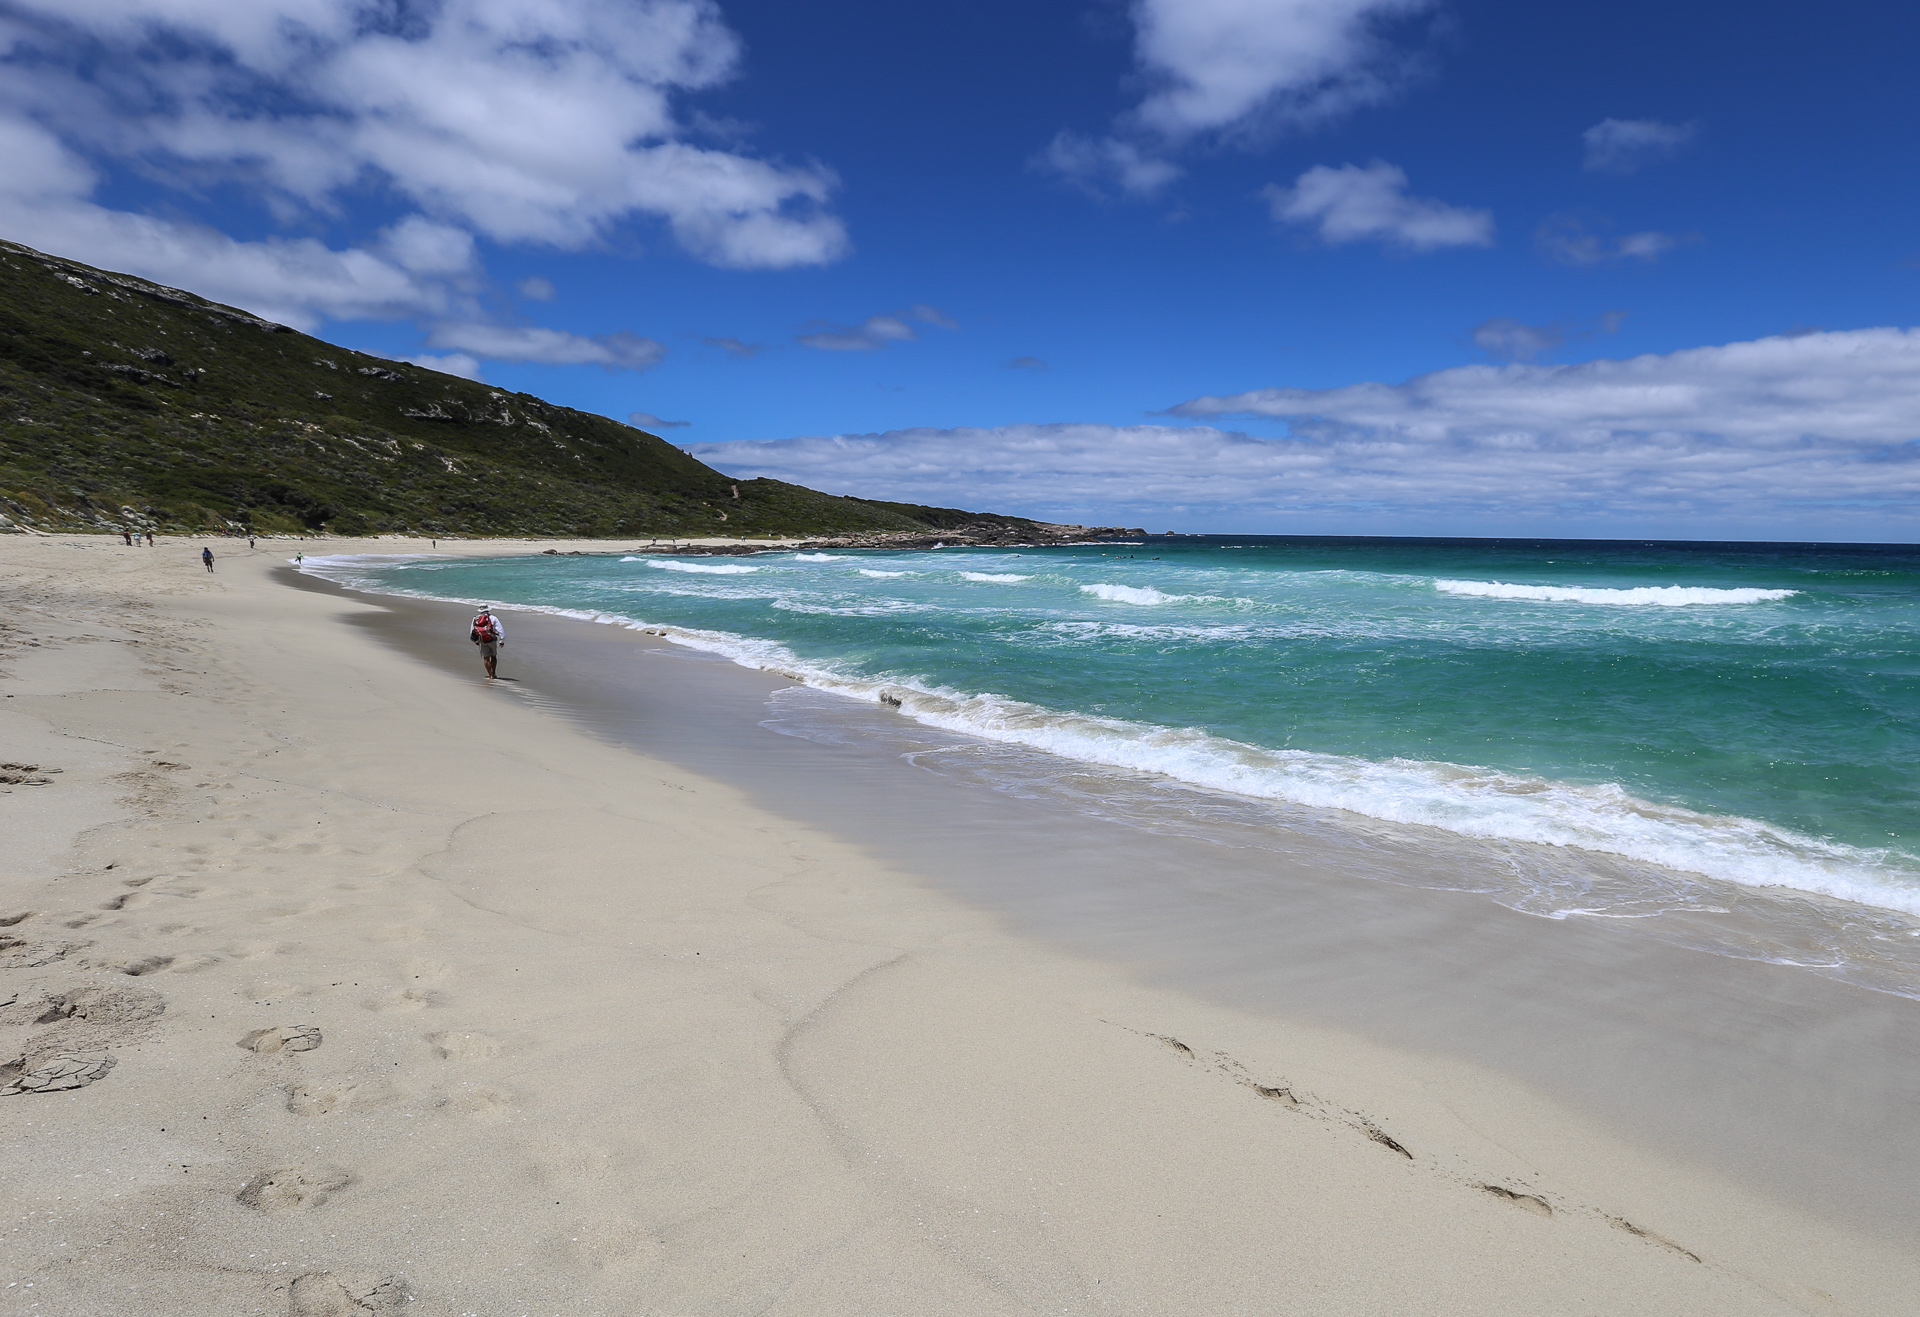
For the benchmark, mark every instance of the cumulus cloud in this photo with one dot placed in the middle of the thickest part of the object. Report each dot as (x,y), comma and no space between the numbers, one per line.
(874,332)
(551,123)
(453,363)
(1355,203)
(554,347)
(1573,240)
(648,421)
(1238,69)
(537,289)
(1772,437)
(1622,146)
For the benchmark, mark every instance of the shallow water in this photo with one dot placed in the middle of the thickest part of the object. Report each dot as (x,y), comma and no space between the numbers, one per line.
(1699,736)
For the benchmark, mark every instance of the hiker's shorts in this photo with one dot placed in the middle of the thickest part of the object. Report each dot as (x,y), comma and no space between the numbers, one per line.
(489,649)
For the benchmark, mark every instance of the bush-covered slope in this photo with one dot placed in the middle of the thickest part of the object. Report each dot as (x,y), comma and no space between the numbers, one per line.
(126,403)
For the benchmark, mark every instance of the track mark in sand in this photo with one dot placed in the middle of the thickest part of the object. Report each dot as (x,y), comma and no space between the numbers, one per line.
(1174,1043)
(463,1046)
(8,921)
(610,1243)
(1384,1139)
(66,1070)
(143,965)
(292,1188)
(286,1038)
(1640,1232)
(489,1106)
(1531,1202)
(320,1099)
(19,953)
(402,999)
(1284,1096)
(334,1294)
(113,1004)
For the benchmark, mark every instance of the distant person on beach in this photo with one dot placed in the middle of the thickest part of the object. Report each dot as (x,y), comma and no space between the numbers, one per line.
(298,557)
(127,536)
(149,539)
(487,634)
(206,556)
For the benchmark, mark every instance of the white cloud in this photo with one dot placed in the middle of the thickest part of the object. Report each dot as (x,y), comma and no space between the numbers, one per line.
(555,347)
(1215,64)
(871,334)
(1511,340)
(1814,435)
(1097,163)
(648,421)
(1571,240)
(1354,203)
(1621,146)
(736,348)
(548,122)
(466,366)
(1237,69)
(537,289)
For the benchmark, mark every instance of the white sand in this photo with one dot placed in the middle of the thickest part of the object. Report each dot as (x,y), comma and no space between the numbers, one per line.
(599,1037)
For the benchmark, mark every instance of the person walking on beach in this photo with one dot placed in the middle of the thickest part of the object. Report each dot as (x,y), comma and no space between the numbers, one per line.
(487,634)
(206,556)
(149,539)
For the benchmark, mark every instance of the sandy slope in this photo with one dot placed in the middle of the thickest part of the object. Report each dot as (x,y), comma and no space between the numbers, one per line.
(598,1037)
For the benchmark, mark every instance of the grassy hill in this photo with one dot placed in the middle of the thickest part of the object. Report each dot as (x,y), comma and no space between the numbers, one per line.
(123,402)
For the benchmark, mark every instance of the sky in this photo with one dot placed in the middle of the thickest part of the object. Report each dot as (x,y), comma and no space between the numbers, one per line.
(1452,267)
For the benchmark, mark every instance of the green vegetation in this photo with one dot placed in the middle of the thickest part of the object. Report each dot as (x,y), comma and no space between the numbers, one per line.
(126,403)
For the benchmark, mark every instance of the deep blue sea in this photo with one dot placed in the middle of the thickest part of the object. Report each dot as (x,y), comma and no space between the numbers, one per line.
(1749,713)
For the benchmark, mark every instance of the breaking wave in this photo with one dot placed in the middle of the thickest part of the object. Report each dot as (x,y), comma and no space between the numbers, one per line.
(1664,596)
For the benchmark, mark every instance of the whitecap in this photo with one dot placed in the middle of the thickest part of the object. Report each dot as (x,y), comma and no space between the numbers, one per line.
(1665,596)
(718,569)
(868,571)
(1133,594)
(997,578)
(819,557)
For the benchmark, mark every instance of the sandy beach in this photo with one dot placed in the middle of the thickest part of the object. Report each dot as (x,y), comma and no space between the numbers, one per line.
(334,981)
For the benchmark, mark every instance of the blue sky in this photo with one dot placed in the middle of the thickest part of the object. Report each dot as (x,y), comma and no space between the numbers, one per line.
(1358,266)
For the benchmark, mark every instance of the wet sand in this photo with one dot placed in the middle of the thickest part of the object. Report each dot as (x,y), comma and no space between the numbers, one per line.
(627,1005)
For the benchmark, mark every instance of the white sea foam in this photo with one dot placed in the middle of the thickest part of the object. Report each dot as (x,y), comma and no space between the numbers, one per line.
(998,578)
(1665,596)
(819,557)
(1133,594)
(716,568)
(868,571)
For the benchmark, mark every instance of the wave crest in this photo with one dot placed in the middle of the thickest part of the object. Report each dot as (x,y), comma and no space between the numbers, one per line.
(714,569)
(998,578)
(1143,595)
(1664,596)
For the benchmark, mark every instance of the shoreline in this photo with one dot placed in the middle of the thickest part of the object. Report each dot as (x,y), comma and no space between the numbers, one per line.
(602,1034)
(1659,1040)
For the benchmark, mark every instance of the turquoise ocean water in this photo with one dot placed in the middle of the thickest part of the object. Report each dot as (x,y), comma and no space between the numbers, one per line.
(1746,713)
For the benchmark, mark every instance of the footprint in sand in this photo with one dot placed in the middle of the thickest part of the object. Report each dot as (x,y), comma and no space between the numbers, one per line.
(108,1004)
(66,1070)
(344,1294)
(402,999)
(463,1046)
(293,1188)
(320,1099)
(1530,1202)
(489,1106)
(610,1243)
(286,1038)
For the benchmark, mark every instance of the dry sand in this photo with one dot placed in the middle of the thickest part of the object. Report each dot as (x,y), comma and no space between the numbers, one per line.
(417,998)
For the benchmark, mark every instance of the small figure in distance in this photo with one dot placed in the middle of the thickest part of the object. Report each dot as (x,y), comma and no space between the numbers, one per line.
(126,536)
(249,539)
(487,634)
(149,539)
(206,556)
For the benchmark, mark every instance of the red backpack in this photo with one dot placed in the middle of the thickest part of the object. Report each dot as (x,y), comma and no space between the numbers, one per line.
(484,628)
